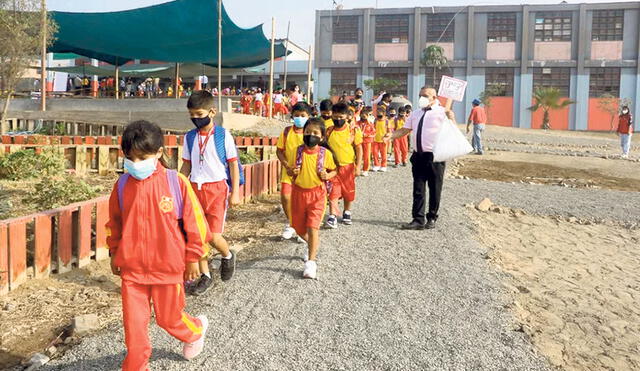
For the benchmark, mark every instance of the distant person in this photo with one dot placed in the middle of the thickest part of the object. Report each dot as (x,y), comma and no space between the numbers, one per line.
(148,250)
(357,102)
(258,104)
(295,95)
(326,112)
(245,102)
(383,99)
(208,175)
(625,130)
(400,146)
(368,129)
(478,118)
(381,140)
(205,82)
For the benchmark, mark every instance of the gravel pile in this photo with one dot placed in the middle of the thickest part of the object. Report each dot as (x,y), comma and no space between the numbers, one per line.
(385,298)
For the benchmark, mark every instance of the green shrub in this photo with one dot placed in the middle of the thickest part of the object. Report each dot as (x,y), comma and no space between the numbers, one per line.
(248,158)
(26,164)
(52,192)
(246,133)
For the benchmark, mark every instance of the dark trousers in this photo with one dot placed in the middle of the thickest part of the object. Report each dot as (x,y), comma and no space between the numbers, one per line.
(426,173)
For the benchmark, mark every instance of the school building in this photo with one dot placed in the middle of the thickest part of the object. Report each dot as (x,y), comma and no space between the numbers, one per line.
(584,50)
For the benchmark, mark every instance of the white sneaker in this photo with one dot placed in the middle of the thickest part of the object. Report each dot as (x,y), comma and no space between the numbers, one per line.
(375,168)
(192,350)
(383,169)
(624,156)
(310,269)
(288,232)
(332,222)
(365,173)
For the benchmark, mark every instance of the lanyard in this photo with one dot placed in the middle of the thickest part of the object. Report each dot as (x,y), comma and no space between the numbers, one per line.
(203,145)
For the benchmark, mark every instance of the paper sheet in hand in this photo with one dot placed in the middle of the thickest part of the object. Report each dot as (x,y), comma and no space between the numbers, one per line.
(452,88)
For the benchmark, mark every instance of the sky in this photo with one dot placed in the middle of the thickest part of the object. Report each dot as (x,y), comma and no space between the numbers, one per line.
(300,13)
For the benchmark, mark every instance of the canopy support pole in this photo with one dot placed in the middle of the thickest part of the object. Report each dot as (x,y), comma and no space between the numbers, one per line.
(220,55)
(273,36)
(286,51)
(309,78)
(176,91)
(117,82)
(43,66)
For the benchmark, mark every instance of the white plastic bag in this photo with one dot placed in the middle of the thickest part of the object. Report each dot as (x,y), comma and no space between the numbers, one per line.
(450,143)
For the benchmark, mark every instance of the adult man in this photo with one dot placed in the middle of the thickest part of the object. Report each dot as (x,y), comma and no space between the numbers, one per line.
(425,122)
(478,118)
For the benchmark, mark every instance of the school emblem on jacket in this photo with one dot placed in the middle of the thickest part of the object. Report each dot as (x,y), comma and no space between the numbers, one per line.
(166,204)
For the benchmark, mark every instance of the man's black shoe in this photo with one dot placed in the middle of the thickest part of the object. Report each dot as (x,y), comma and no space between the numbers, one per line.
(201,286)
(430,224)
(227,267)
(414,225)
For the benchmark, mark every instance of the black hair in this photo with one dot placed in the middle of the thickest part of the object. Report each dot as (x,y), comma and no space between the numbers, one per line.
(358,89)
(408,107)
(301,107)
(340,108)
(401,110)
(365,110)
(316,121)
(326,105)
(381,109)
(144,137)
(201,99)
(386,95)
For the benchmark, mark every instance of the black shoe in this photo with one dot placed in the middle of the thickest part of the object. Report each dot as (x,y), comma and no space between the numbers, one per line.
(414,225)
(430,224)
(404,164)
(201,285)
(346,219)
(227,267)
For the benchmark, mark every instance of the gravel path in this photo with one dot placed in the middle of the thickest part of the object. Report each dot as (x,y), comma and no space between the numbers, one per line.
(385,299)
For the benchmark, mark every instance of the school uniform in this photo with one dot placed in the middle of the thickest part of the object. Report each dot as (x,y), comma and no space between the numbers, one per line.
(289,141)
(258,104)
(379,144)
(368,134)
(209,175)
(400,145)
(246,103)
(148,245)
(342,141)
(309,194)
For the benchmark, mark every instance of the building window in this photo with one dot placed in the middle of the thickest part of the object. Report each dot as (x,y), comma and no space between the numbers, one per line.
(343,80)
(556,77)
(394,73)
(392,28)
(429,81)
(499,81)
(437,24)
(604,80)
(607,25)
(345,29)
(553,26)
(501,27)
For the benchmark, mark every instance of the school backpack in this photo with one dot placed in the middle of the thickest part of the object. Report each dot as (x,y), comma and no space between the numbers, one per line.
(319,164)
(218,138)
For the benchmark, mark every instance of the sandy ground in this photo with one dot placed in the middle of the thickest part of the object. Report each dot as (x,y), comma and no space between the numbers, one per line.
(576,288)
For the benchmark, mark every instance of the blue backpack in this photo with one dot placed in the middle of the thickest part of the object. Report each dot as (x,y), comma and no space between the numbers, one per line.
(218,138)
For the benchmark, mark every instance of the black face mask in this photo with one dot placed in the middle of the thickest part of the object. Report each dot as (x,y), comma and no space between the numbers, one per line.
(339,122)
(380,116)
(311,140)
(392,115)
(201,122)
(358,95)
(325,117)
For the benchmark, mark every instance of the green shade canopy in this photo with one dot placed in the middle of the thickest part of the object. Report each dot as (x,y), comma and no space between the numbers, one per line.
(182,31)
(145,70)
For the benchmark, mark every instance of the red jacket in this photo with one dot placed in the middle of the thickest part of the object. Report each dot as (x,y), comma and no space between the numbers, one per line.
(368,131)
(146,240)
(625,124)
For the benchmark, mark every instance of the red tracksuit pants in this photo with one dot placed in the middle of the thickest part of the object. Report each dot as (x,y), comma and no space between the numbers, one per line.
(400,150)
(168,303)
(380,154)
(366,154)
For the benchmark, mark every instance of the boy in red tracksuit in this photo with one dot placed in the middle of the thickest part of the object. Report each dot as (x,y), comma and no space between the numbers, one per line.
(150,251)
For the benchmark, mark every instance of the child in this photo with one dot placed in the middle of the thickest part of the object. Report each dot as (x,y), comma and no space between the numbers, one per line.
(380,141)
(288,142)
(625,130)
(150,251)
(345,141)
(258,104)
(279,108)
(325,112)
(208,176)
(246,102)
(366,125)
(400,147)
(314,166)
(392,115)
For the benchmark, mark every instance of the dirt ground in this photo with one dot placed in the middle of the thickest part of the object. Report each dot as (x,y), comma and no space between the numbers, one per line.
(26,328)
(553,170)
(575,290)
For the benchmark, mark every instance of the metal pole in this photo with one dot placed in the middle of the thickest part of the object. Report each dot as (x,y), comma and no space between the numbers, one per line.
(176,92)
(309,78)
(117,82)
(43,69)
(286,51)
(273,38)
(220,55)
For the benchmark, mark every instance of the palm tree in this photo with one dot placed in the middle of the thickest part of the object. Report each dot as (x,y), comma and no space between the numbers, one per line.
(548,99)
(433,56)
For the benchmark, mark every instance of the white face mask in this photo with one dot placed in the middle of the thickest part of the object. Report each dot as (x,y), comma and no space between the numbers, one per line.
(371,119)
(424,102)
(624,111)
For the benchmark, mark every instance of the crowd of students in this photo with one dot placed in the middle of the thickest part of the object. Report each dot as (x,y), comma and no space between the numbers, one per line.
(255,101)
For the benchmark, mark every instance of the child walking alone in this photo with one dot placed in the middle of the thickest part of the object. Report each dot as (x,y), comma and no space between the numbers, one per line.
(315,166)
(150,250)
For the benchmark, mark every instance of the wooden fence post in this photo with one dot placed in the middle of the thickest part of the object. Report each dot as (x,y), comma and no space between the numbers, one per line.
(84,234)
(102,216)
(17,253)
(4,259)
(43,246)
(65,240)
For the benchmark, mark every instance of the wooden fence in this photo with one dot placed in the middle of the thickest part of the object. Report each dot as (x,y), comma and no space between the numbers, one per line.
(57,241)
(102,154)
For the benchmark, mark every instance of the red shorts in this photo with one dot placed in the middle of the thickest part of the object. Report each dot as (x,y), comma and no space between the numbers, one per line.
(285,189)
(344,183)
(307,208)
(213,198)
